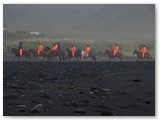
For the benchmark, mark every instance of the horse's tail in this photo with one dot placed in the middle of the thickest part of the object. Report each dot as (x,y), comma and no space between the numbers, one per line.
(124,58)
(121,56)
(106,52)
(13,50)
(94,57)
(150,56)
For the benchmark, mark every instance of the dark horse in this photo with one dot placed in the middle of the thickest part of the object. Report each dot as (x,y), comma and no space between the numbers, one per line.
(61,54)
(77,55)
(111,55)
(25,53)
(91,54)
(43,53)
(139,55)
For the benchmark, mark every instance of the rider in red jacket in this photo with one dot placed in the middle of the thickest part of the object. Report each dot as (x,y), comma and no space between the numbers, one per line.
(144,50)
(115,50)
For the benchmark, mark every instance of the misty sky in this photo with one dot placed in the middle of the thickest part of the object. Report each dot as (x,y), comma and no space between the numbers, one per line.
(104,21)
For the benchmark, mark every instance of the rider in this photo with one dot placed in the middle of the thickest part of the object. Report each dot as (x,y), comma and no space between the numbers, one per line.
(73,49)
(115,50)
(40,48)
(59,46)
(54,48)
(144,50)
(20,48)
(88,48)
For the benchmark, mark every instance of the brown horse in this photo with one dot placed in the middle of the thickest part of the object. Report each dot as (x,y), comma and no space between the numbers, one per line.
(91,54)
(33,52)
(139,55)
(43,53)
(77,55)
(61,54)
(16,53)
(110,54)
(25,53)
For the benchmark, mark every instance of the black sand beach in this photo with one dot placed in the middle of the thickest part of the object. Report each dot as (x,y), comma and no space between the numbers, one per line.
(79,88)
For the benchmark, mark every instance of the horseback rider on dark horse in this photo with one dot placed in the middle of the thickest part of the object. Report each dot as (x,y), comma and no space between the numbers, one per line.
(115,53)
(89,53)
(73,49)
(74,53)
(56,51)
(53,50)
(40,49)
(21,52)
(143,53)
(36,52)
(20,48)
(115,50)
(18,52)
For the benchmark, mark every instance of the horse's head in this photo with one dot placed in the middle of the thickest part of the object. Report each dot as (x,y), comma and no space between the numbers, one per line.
(107,52)
(135,52)
(67,49)
(47,48)
(13,50)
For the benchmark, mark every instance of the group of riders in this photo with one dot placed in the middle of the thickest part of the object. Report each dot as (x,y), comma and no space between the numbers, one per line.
(143,50)
(57,46)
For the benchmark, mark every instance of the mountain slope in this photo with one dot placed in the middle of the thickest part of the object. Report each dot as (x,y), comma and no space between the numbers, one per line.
(97,22)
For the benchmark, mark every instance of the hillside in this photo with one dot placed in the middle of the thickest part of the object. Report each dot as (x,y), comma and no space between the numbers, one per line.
(94,22)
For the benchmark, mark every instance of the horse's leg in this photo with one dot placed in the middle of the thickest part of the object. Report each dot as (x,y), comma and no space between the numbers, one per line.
(77,58)
(25,58)
(43,56)
(63,58)
(60,58)
(113,59)
(120,58)
(149,57)
(94,58)
(69,58)
(32,56)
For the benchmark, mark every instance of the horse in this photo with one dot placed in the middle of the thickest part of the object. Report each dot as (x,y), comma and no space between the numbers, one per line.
(111,55)
(43,53)
(139,55)
(77,55)
(91,54)
(34,53)
(25,53)
(15,52)
(61,54)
